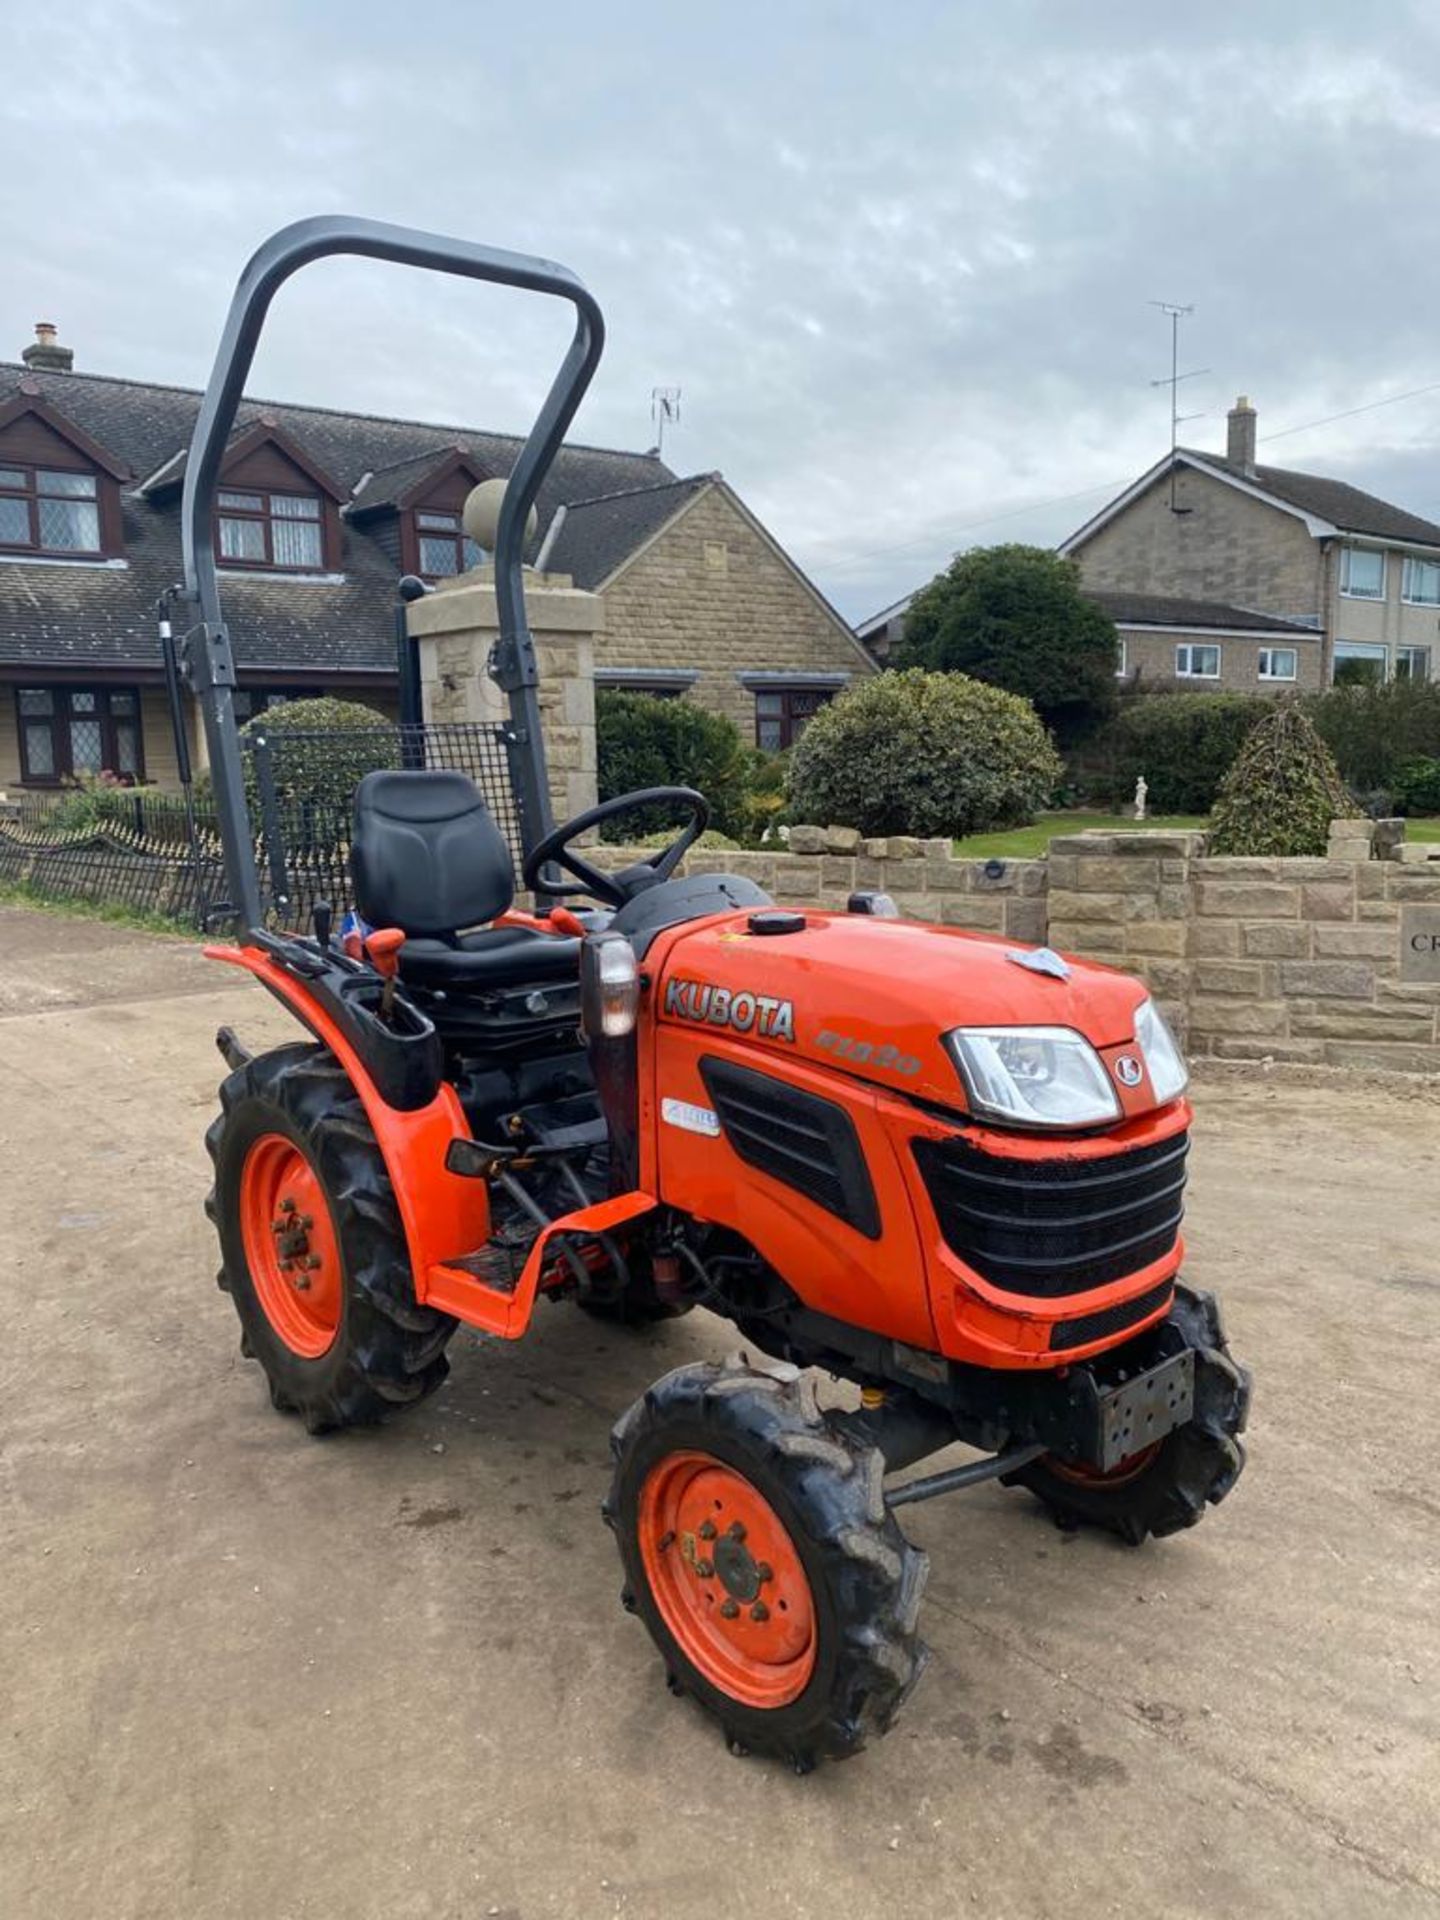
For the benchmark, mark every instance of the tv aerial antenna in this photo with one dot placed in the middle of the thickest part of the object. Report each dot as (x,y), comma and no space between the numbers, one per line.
(1175,312)
(664,411)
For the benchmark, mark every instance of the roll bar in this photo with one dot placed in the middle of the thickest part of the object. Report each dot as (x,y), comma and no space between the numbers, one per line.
(512,665)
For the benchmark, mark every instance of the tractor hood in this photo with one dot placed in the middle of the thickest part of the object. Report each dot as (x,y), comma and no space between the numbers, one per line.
(873,998)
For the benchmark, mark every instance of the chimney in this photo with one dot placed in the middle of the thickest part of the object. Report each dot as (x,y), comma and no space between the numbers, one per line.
(46,355)
(1240,440)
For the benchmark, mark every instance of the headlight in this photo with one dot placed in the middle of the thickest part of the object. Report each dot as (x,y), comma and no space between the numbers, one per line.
(1034,1076)
(1169,1075)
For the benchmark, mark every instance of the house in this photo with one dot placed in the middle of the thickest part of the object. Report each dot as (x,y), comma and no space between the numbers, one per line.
(319,514)
(1222,573)
(1169,641)
(1359,575)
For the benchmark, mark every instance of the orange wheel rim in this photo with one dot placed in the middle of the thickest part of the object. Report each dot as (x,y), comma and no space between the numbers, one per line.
(727,1579)
(1082,1476)
(291,1247)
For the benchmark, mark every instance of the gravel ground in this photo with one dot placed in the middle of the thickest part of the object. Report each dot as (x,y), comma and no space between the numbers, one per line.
(248,1673)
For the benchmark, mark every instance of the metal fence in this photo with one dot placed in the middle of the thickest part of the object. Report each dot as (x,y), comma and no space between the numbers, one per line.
(140,849)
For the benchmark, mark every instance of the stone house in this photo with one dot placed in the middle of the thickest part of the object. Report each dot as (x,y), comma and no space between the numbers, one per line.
(319,515)
(1358,576)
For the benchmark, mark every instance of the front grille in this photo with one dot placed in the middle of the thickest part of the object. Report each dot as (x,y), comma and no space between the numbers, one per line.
(1049,1227)
(797,1137)
(1096,1326)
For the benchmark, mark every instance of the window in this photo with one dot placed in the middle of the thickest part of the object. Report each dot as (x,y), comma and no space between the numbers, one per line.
(782,714)
(1420,582)
(49,512)
(1121,656)
(248,701)
(1357,663)
(1197,663)
(1277,663)
(445,547)
(281,530)
(1412,663)
(70,730)
(1362,573)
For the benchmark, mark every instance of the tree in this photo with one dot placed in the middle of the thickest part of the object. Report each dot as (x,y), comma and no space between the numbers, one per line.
(1015,616)
(1282,792)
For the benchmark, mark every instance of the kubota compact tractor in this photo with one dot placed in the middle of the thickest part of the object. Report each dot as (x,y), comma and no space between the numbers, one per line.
(940,1165)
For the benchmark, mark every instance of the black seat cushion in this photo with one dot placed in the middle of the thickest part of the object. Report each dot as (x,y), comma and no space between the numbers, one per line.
(427,855)
(493,957)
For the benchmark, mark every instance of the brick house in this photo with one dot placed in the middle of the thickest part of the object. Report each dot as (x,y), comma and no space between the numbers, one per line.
(320,513)
(1166,641)
(1359,576)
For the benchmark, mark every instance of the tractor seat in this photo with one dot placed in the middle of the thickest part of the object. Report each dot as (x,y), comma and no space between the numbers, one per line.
(428,857)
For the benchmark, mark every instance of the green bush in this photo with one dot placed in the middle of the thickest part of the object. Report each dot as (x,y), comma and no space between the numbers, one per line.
(1417,786)
(1182,743)
(923,753)
(1374,731)
(645,742)
(95,800)
(330,769)
(1282,792)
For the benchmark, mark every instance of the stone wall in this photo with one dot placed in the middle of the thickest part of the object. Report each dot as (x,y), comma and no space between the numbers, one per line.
(1330,962)
(711,595)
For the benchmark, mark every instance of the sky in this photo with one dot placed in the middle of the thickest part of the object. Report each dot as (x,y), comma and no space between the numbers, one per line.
(898,257)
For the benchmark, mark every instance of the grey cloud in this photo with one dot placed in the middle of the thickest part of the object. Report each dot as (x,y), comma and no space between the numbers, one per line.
(897,258)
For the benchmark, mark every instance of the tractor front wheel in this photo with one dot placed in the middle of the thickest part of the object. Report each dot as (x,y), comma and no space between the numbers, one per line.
(1167,1486)
(758,1550)
(312,1250)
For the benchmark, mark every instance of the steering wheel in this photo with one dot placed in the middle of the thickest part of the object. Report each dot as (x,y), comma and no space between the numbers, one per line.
(615,888)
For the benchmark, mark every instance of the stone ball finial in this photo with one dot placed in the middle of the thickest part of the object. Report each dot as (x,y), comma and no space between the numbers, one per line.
(481,514)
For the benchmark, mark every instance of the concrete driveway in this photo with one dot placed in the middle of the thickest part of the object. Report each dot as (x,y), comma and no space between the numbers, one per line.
(245,1673)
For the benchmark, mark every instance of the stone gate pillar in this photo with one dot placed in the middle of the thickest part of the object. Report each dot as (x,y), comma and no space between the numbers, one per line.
(455,628)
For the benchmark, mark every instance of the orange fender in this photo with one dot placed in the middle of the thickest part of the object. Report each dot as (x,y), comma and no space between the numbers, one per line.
(446,1216)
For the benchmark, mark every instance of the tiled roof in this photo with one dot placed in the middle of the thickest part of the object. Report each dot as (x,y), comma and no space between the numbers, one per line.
(1165,610)
(56,614)
(1342,505)
(598,535)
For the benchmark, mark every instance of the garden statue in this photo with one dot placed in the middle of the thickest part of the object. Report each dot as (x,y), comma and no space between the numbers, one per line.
(1141,791)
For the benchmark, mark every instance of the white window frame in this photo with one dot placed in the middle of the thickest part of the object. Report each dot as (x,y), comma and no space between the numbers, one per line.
(1371,553)
(1122,668)
(1185,668)
(1413,565)
(1408,653)
(1362,650)
(1265,665)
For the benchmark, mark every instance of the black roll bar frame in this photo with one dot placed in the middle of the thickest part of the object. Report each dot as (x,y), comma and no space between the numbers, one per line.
(513,665)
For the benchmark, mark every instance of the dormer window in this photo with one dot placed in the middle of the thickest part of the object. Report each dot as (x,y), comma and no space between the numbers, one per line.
(279,530)
(445,547)
(46,511)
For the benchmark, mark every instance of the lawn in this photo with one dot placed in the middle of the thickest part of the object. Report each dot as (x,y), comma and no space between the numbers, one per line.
(1027,843)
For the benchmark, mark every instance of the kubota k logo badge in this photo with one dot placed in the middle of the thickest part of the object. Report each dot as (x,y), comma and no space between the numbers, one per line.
(1128,1070)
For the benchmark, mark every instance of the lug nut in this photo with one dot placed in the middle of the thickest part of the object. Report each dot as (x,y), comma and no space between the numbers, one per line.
(730,1611)
(764,1571)
(759,1611)
(736,1531)
(705,1569)
(287,1206)
(707,1529)
(312,1261)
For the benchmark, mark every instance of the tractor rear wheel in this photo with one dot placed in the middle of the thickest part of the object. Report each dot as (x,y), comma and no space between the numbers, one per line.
(759,1552)
(312,1249)
(1165,1487)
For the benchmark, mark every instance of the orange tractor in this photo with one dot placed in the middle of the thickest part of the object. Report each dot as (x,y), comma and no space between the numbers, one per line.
(939,1165)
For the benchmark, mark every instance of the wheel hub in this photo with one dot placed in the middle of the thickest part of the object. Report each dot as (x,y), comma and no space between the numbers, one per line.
(291,1248)
(727,1577)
